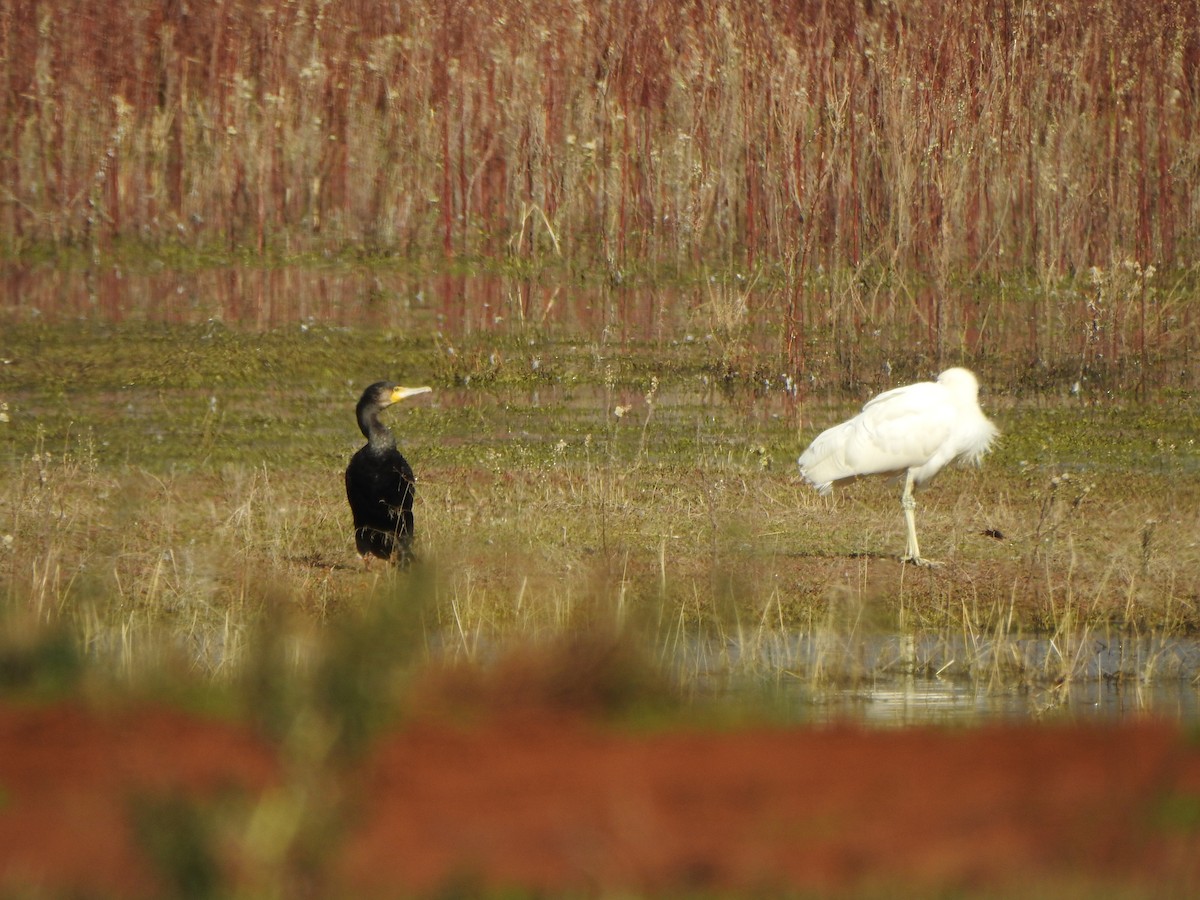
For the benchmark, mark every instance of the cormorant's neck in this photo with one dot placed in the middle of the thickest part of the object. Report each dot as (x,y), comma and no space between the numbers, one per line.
(378,435)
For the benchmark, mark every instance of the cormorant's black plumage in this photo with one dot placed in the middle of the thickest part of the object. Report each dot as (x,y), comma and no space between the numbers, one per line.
(380,482)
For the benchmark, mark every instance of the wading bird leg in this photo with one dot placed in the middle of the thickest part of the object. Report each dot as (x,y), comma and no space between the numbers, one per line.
(908,503)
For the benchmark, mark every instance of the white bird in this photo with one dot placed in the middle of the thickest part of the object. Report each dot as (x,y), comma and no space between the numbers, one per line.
(917,430)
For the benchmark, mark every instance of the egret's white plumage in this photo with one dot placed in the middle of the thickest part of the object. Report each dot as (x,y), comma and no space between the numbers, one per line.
(916,430)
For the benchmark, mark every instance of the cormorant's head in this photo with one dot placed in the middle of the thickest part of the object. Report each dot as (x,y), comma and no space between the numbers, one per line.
(394,393)
(383,394)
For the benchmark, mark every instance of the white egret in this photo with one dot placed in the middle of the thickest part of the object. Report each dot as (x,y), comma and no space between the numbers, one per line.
(915,430)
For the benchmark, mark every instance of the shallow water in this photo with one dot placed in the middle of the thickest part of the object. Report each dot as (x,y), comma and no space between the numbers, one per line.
(1017,334)
(936,701)
(898,680)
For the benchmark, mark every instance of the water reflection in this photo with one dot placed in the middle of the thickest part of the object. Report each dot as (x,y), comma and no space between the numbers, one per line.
(825,330)
(262,299)
(917,701)
(897,680)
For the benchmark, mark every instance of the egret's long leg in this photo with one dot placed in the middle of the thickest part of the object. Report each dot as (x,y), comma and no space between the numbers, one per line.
(908,503)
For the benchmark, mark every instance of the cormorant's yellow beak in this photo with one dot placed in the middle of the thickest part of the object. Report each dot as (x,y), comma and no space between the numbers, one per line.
(400,393)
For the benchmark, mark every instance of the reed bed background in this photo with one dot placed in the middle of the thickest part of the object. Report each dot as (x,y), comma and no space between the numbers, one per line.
(976,138)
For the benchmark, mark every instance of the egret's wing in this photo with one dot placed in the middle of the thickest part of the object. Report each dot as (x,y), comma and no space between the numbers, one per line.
(911,399)
(824,462)
(902,428)
(898,429)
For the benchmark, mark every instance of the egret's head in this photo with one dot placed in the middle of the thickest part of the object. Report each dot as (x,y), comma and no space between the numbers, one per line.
(961,382)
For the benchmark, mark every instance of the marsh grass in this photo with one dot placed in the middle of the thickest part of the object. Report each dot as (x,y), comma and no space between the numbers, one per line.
(164,498)
(710,553)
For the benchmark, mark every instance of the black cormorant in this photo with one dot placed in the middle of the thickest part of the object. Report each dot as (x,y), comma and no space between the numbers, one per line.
(380,482)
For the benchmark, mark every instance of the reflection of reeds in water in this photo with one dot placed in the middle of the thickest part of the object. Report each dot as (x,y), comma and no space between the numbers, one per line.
(1086,342)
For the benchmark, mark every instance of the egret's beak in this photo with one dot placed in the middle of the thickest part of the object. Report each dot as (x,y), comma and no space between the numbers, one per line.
(400,393)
